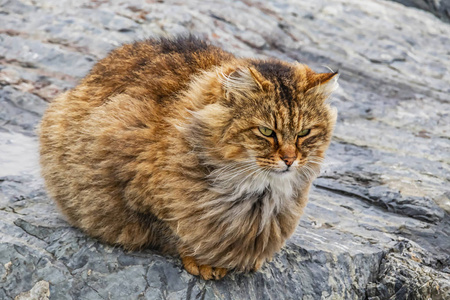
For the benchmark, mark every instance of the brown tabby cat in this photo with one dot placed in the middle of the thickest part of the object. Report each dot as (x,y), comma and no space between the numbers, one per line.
(177,145)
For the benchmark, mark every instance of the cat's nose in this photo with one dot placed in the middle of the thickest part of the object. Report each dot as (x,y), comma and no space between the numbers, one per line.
(288,154)
(288,160)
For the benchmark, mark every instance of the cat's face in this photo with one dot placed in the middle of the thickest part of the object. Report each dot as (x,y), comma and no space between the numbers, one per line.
(271,120)
(282,122)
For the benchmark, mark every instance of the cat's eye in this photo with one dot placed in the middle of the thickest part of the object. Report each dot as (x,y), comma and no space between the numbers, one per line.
(304,132)
(265,131)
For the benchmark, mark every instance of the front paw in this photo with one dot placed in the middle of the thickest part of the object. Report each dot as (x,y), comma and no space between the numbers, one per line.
(259,263)
(205,272)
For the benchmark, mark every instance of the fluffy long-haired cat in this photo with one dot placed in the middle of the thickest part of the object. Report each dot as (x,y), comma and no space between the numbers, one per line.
(177,145)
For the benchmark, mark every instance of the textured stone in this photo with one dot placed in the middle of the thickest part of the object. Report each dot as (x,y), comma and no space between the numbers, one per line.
(377,225)
(439,8)
(40,291)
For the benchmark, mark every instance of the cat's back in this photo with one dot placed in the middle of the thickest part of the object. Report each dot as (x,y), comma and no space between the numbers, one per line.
(153,69)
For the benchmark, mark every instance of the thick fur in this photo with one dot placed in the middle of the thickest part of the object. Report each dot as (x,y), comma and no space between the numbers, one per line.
(159,147)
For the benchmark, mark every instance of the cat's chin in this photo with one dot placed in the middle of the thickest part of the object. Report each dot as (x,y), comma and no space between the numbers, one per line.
(285,172)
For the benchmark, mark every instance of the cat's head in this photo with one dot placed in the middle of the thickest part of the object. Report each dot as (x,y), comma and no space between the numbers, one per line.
(270,117)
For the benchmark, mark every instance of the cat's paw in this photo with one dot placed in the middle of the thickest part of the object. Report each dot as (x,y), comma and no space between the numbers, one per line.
(206,272)
(259,263)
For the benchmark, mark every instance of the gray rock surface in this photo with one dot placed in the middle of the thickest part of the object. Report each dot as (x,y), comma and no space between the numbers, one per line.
(439,8)
(377,225)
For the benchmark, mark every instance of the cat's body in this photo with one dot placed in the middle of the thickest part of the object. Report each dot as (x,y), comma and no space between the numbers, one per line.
(165,144)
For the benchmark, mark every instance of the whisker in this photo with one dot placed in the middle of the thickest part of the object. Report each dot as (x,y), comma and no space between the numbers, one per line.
(268,172)
(309,172)
(238,172)
(249,175)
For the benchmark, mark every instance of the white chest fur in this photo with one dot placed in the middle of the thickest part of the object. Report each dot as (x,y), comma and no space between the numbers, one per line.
(260,197)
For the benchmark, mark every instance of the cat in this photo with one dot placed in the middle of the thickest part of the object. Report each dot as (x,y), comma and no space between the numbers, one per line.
(177,145)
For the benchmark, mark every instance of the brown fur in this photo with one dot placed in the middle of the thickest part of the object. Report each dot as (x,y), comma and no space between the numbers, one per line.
(159,147)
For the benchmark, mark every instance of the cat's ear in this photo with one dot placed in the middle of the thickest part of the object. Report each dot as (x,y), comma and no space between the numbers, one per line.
(263,84)
(245,80)
(323,83)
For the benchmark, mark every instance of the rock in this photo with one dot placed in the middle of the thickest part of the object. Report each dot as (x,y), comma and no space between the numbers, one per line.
(40,291)
(407,272)
(439,8)
(377,223)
